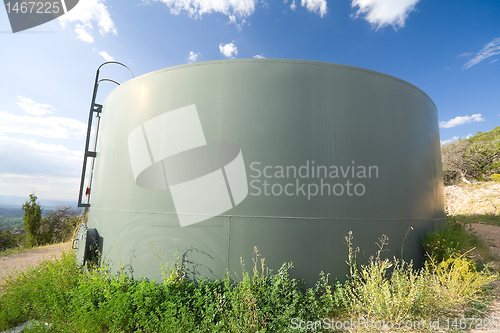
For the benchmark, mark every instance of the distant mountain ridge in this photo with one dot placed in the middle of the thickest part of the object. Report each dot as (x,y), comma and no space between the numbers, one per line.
(11,201)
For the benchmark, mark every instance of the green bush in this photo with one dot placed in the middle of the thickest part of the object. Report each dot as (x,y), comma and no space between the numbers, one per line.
(495,177)
(474,158)
(32,218)
(455,238)
(57,293)
(393,290)
(68,300)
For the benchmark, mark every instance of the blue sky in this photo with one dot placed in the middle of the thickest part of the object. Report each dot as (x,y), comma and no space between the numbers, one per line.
(449,49)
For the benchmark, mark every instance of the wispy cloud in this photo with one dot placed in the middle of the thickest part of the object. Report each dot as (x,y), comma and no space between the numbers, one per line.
(36,109)
(453,139)
(106,56)
(47,127)
(380,13)
(193,56)
(34,154)
(466,55)
(447,142)
(85,15)
(82,32)
(460,121)
(237,11)
(259,56)
(50,170)
(315,6)
(54,187)
(234,9)
(229,50)
(34,124)
(46,149)
(489,50)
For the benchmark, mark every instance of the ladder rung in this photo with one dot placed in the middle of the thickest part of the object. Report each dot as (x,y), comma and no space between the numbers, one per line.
(91,153)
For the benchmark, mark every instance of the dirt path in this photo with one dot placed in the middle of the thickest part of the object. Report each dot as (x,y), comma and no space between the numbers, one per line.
(492,235)
(19,262)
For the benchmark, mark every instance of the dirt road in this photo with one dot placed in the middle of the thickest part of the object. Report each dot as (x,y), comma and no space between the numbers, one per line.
(492,235)
(19,262)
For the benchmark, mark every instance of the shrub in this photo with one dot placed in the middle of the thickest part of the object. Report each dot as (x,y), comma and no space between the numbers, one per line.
(495,177)
(32,218)
(394,291)
(455,238)
(69,300)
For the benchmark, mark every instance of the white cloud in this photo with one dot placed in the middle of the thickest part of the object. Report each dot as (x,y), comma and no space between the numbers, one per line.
(229,50)
(193,56)
(28,105)
(85,15)
(466,54)
(447,142)
(259,56)
(48,127)
(34,155)
(489,50)
(380,13)
(315,6)
(453,139)
(22,159)
(46,187)
(494,60)
(83,34)
(45,149)
(293,5)
(460,121)
(196,8)
(106,56)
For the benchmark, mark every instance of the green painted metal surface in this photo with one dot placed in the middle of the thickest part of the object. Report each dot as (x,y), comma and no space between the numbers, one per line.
(208,160)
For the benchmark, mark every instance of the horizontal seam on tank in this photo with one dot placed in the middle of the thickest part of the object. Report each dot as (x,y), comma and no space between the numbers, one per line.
(277,217)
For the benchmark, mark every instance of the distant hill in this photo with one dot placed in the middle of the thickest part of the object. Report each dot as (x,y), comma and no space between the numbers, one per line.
(12,214)
(476,158)
(10,201)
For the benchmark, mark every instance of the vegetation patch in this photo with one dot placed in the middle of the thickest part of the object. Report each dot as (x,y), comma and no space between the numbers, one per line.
(61,298)
(474,159)
(37,228)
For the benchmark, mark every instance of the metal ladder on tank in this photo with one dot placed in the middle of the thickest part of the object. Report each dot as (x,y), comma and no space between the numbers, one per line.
(96,109)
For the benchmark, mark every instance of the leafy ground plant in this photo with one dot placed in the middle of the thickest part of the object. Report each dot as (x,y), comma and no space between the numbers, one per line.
(58,297)
(385,290)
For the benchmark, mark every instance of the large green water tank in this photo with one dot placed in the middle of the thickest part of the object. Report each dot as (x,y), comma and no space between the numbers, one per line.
(202,162)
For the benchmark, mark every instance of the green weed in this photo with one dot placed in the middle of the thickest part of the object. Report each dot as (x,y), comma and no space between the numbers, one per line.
(59,297)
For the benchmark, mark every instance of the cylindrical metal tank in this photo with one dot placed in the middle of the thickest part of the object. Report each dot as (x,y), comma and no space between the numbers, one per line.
(204,161)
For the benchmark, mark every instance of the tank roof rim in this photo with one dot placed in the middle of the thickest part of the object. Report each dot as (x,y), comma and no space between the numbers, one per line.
(276,60)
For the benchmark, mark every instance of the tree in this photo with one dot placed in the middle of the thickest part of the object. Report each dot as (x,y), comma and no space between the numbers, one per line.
(32,218)
(477,157)
(7,240)
(454,162)
(58,226)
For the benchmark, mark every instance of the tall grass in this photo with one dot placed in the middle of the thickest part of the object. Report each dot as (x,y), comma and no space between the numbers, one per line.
(59,294)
